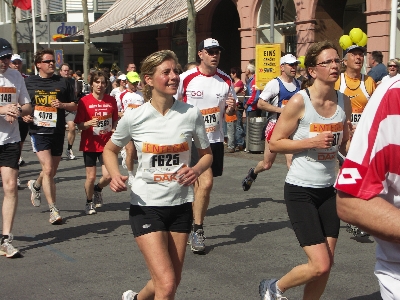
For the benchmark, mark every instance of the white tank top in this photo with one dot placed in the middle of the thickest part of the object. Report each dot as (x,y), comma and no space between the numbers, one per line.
(316,167)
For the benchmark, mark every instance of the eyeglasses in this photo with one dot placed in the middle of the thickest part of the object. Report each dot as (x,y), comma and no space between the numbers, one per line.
(212,52)
(392,66)
(6,56)
(329,62)
(48,61)
(295,64)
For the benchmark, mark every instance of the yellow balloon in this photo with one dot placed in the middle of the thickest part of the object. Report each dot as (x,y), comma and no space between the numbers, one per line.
(100,60)
(345,41)
(301,60)
(363,41)
(356,34)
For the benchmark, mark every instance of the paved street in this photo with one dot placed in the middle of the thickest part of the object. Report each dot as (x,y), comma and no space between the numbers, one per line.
(248,234)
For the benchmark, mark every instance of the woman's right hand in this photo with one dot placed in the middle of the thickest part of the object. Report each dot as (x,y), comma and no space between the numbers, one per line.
(117,183)
(324,140)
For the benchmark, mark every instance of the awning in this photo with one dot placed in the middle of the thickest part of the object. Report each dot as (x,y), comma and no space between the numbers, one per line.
(126,16)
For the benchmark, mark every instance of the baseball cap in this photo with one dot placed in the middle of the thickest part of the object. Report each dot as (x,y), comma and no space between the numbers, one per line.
(289,59)
(5,47)
(133,77)
(352,47)
(208,44)
(122,77)
(16,57)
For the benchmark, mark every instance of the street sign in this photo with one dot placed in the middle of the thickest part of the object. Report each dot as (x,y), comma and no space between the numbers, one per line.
(59,58)
(267,63)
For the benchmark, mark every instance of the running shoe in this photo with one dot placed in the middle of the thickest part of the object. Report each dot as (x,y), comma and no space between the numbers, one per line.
(266,293)
(123,155)
(97,199)
(18,183)
(35,194)
(90,208)
(21,161)
(55,217)
(70,154)
(197,241)
(248,180)
(129,295)
(8,249)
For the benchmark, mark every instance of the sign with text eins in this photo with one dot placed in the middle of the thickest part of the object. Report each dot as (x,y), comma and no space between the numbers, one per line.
(267,63)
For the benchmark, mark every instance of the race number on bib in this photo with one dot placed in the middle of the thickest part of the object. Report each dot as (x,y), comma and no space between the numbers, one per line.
(161,162)
(330,153)
(356,115)
(45,116)
(132,106)
(8,95)
(104,125)
(211,118)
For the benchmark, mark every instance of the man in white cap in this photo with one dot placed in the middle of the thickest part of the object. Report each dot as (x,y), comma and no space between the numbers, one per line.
(16,63)
(211,90)
(274,97)
(14,102)
(116,93)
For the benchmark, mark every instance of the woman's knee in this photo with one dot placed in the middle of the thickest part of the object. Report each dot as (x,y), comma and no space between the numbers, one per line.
(322,268)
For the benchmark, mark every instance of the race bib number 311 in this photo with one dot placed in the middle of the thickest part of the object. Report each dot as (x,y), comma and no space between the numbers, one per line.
(330,153)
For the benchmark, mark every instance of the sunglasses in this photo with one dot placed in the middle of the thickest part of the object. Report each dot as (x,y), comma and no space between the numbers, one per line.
(48,61)
(213,52)
(295,64)
(8,56)
(392,66)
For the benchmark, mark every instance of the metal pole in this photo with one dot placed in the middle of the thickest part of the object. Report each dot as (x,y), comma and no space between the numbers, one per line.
(271,21)
(48,20)
(393,30)
(34,29)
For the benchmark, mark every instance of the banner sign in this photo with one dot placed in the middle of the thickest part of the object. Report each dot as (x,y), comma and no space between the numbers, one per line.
(267,63)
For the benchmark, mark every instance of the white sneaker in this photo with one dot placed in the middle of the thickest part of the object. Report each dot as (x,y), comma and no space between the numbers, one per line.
(90,209)
(7,249)
(266,293)
(70,154)
(35,195)
(97,199)
(129,295)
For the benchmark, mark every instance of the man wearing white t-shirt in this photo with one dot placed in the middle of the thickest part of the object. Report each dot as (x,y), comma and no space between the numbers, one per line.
(12,92)
(273,99)
(368,189)
(211,90)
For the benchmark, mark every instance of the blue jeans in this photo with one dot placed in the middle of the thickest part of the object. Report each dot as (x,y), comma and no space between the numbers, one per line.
(231,129)
(240,129)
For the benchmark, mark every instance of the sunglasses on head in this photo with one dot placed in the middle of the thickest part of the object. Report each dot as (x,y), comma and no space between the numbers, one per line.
(8,56)
(48,61)
(213,51)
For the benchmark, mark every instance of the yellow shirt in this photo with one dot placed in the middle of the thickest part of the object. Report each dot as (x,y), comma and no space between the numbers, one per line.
(358,92)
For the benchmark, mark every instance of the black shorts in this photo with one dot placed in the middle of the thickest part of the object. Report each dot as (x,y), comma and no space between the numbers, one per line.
(9,155)
(147,219)
(53,142)
(217,166)
(312,212)
(90,158)
(23,129)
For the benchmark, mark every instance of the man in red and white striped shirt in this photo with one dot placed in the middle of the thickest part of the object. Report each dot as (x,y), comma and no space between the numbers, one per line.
(369,182)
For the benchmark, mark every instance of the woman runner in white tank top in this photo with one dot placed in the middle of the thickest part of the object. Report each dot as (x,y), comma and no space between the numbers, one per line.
(317,121)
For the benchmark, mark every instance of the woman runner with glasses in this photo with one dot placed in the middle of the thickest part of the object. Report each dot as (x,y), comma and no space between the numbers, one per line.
(315,119)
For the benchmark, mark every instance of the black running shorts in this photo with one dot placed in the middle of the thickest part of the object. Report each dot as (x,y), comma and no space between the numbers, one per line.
(146,219)
(217,166)
(9,155)
(90,158)
(312,212)
(53,142)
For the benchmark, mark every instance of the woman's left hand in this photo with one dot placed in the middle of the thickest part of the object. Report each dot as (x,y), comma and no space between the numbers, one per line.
(187,176)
